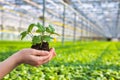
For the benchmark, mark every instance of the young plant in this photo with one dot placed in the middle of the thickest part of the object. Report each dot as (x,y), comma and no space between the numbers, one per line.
(40,41)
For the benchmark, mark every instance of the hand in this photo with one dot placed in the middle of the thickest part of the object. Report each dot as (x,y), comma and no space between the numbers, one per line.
(34,57)
(27,56)
(53,53)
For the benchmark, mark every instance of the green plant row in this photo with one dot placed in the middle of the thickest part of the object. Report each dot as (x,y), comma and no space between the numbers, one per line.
(79,61)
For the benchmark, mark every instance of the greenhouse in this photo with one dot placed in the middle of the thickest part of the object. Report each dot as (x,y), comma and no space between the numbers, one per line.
(81,36)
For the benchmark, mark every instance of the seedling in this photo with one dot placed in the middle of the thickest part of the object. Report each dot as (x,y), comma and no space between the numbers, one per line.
(40,41)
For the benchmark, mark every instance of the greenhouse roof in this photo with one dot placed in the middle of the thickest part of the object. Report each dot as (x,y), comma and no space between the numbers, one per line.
(102,13)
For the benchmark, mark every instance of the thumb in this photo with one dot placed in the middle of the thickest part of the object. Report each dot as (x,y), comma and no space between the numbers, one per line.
(52,51)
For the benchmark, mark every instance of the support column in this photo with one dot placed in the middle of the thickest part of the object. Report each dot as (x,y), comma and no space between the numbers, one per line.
(74,33)
(44,8)
(63,27)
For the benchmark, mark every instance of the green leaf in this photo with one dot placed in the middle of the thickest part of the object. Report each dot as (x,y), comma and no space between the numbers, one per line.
(56,34)
(51,27)
(35,40)
(46,38)
(30,27)
(41,27)
(38,31)
(48,30)
(51,31)
(23,34)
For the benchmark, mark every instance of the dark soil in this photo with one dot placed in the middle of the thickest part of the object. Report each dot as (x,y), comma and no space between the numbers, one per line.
(43,46)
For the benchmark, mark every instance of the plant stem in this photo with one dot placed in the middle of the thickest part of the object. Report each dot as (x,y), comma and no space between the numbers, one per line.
(42,39)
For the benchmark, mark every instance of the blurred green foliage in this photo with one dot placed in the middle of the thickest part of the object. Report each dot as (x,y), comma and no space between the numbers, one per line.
(78,61)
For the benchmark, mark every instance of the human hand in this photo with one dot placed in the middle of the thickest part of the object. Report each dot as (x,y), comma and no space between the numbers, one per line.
(34,57)
(28,56)
(53,53)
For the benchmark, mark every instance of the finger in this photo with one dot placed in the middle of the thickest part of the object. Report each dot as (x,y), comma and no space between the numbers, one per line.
(42,58)
(51,56)
(41,53)
(45,60)
(52,51)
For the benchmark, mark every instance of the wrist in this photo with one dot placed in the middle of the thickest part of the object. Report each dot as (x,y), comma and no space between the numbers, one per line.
(16,58)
